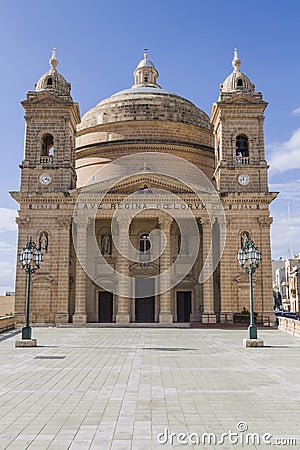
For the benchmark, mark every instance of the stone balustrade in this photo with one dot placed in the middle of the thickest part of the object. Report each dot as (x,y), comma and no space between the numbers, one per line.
(289,326)
(46,159)
(7,323)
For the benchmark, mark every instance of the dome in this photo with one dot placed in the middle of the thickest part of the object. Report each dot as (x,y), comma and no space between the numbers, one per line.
(53,80)
(145,104)
(143,118)
(145,62)
(237,81)
(145,100)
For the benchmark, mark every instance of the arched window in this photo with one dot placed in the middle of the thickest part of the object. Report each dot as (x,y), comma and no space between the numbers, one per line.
(241,146)
(146,78)
(47,145)
(145,243)
(49,82)
(239,83)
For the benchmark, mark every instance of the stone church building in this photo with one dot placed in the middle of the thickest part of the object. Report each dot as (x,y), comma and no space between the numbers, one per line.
(89,210)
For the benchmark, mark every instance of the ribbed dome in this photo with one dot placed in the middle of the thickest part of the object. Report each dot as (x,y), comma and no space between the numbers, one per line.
(53,80)
(237,81)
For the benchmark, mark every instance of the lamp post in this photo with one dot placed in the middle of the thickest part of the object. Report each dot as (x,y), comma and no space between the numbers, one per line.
(31,261)
(249,258)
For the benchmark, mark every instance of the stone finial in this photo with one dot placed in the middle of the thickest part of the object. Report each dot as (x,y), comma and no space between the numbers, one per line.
(146,53)
(236,62)
(53,61)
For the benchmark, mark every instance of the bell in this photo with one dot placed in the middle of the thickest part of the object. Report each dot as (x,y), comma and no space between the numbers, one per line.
(242,144)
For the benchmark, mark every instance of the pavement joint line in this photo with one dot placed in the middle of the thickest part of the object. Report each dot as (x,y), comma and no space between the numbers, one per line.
(116,387)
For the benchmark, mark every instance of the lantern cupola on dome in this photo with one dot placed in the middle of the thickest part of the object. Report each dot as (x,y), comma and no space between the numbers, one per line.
(53,80)
(145,74)
(237,81)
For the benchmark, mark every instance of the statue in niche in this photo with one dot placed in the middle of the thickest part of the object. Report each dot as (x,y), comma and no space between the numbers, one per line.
(244,238)
(106,244)
(43,241)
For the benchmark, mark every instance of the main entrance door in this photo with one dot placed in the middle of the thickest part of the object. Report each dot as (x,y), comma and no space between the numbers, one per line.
(144,309)
(184,306)
(105,306)
(144,306)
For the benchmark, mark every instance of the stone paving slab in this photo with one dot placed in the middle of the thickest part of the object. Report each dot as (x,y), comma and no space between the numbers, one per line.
(104,388)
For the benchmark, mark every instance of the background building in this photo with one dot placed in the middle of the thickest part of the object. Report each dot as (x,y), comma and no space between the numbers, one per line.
(7,304)
(287,282)
(64,153)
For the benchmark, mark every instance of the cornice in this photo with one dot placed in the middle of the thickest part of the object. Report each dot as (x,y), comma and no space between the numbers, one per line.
(161,144)
(248,197)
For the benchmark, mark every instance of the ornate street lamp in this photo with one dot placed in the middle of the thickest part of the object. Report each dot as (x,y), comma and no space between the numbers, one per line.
(250,258)
(31,261)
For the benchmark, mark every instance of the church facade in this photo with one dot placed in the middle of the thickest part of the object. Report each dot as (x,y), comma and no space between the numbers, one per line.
(139,207)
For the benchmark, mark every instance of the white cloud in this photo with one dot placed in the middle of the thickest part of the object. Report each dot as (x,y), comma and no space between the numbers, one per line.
(289,191)
(296,110)
(285,155)
(7,220)
(285,236)
(6,248)
(7,276)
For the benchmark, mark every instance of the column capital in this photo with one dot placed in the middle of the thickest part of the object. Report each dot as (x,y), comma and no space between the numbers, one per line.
(81,221)
(63,222)
(165,220)
(265,221)
(23,221)
(124,221)
(205,222)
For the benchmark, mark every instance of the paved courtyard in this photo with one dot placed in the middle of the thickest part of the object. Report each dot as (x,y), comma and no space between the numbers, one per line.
(131,388)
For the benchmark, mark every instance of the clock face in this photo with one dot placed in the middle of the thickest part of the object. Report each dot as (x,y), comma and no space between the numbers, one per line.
(244,179)
(45,179)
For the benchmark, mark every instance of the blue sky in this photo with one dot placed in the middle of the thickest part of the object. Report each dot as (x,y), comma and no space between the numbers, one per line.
(99,44)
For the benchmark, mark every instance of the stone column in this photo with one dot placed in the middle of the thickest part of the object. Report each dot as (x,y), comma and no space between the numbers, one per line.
(62,301)
(207,274)
(122,267)
(80,284)
(165,315)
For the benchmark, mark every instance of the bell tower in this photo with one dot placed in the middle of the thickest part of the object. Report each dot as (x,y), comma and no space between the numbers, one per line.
(51,117)
(241,178)
(238,119)
(45,215)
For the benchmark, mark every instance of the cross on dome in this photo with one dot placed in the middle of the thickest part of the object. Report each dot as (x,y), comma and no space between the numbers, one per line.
(53,61)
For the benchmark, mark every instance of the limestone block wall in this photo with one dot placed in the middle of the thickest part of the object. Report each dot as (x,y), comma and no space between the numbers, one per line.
(234,280)
(7,304)
(289,326)
(136,106)
(50,283)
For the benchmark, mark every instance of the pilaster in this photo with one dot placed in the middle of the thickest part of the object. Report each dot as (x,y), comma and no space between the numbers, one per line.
(80,289)
(123,313)
(62,303)
(207,270)
(165,316)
